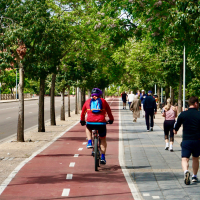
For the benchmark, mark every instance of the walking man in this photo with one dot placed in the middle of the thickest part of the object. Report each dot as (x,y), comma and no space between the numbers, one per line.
(130,98)
(150,109)
(190,138)
(142,98)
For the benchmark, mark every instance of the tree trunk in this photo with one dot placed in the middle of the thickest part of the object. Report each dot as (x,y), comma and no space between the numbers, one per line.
(62,111)
(76,101)
(41,125)
(166,92)
(180,91)
(79,99)
(52,100)
(82,97)
(89,94)
(69,101)
(103,93)
(172,95)
(20,126)
(158,101)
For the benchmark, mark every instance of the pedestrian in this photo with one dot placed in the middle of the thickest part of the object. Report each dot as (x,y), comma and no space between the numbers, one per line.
(170,113)
(142,98)
(124,99)
(135,108)
(139,94)
(190,138)
(130,98)
(150,109)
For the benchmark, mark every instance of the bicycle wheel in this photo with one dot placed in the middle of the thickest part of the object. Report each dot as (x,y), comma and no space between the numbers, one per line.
(96,154)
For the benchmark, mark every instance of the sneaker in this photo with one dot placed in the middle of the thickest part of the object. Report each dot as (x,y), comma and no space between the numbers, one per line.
(103,161)
(89,145)
(166,148)
(151,129)
(187,178)
(147,130)
(171,150)
(194,179)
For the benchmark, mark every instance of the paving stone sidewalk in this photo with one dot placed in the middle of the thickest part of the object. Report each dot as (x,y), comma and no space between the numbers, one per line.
(156,172)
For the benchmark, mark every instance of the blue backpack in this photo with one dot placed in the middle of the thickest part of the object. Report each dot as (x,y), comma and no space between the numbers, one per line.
(96,105)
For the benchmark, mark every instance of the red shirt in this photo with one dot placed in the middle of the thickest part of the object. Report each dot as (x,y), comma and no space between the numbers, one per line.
(96,117)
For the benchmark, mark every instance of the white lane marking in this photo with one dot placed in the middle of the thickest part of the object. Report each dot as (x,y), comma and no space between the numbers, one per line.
(69,176)
(146,194)
(155,197)
(133,187)
(76,155)
(72,164)
(80,149)
(65,192)
(16,170)
(8,117)
(84,142)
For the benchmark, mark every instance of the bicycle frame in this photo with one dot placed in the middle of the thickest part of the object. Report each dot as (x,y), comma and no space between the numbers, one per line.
(96,149)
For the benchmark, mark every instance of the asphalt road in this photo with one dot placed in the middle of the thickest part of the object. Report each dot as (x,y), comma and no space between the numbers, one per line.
(9,114)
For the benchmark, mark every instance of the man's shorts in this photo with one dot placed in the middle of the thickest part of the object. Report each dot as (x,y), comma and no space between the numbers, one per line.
(190,147)
(101,129)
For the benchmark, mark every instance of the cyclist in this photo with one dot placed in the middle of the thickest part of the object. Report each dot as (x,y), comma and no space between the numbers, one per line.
(96,121)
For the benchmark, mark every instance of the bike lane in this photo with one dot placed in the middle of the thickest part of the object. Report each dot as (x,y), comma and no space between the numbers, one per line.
(65,170)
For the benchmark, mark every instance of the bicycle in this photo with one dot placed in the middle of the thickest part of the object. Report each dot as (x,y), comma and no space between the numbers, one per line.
(96,149)
(96,152)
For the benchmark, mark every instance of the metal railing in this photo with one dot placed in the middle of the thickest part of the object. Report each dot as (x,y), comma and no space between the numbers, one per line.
(13,96)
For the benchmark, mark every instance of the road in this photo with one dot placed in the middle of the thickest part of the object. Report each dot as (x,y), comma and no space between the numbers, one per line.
(9,114)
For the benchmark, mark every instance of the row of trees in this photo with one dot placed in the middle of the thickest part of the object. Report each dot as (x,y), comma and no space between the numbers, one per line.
(134,44)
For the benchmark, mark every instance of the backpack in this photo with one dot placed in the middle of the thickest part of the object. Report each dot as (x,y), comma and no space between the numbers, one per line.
(96,105)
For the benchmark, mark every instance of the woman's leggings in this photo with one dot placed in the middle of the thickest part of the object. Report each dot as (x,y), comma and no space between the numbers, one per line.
(168,128)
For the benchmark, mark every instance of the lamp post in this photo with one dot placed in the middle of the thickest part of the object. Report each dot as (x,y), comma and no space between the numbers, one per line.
(184,78)
(16,83)
(161,95)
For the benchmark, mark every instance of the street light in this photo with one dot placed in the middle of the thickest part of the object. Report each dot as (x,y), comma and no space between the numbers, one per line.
(184,78)
(16,83)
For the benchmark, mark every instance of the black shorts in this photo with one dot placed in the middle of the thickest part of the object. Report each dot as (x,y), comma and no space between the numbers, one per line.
(101,129)
(190,147)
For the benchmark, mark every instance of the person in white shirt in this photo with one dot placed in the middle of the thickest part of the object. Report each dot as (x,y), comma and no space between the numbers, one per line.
(130,98)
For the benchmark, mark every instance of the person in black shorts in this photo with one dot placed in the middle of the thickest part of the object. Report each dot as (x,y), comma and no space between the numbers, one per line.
(124,99)
(191,138)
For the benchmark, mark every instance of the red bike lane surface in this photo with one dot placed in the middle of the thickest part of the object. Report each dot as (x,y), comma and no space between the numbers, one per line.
(45,176)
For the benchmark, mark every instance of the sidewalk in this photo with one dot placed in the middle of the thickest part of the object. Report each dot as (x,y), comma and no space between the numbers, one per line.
(157,173)
(64,169)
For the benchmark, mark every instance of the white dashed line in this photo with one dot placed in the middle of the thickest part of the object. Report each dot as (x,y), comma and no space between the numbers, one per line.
(84,142)
(72,164)
(146,194)
(65,192)
(69,176)
(76,155)
(80,149)
(155,197)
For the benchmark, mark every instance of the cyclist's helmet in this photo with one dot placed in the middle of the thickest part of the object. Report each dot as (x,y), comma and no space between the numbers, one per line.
(96,92)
